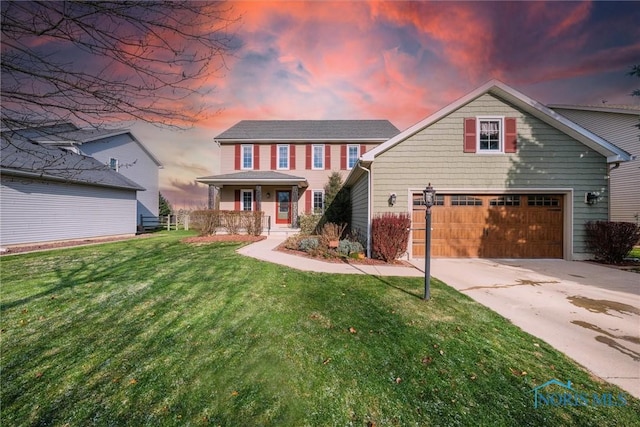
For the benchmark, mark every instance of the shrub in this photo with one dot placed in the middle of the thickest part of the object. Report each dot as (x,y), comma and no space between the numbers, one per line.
(611,241)
(331,232)
(309,244)
(293,242)
(347,248)
(205,222)
(309,223)
(231,221)
(390,235)
(252,222)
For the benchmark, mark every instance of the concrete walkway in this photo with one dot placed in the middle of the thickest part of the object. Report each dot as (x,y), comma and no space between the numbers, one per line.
(589,312)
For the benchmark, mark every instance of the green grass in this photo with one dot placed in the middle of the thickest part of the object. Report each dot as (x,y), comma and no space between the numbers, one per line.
(635,252)
(156,332)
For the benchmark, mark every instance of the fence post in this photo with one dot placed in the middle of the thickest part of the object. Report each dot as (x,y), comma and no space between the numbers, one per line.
(186,221)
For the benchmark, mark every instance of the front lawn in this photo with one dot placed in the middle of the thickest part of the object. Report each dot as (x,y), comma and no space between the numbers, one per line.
(157,332)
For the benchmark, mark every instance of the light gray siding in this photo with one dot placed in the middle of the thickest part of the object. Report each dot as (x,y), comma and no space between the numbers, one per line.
(546,159)
(360,206)
(134,163)
(619,129)
(39,211)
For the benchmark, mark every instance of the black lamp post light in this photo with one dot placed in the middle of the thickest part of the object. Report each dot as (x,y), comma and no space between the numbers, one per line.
(429,196)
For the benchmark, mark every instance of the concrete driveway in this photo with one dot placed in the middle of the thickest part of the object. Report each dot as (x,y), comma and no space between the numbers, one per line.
(589,312)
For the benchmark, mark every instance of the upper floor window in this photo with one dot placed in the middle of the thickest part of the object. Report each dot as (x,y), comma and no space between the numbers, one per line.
(318,156)
(247,157)
(113,164)
(283,157)
(353,153)
(490,131)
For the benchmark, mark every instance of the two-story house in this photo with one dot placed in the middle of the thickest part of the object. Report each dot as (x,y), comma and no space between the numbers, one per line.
(280,167)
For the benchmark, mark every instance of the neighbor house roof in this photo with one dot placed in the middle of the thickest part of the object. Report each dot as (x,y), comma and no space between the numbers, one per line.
(67,134)
(605,108)
(253,178)
(501,90)
(309,130)
(21,157)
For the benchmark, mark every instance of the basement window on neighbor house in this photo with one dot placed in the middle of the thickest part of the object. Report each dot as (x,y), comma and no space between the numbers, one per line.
(247,157)
(489,135)
(318,201)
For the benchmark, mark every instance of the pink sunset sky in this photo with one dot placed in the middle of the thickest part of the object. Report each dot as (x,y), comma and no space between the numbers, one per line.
(399,61)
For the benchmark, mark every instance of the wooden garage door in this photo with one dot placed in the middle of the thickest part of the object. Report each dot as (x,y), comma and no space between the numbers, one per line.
(491,226)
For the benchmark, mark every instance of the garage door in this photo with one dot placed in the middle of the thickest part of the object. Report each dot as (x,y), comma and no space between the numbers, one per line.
(491,226)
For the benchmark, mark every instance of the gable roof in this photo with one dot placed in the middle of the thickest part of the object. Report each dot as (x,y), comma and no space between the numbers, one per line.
(633,110)
(67,134)
(309,130)
(501,90)
(21,157)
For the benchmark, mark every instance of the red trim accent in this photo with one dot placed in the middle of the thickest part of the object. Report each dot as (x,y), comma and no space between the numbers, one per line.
(256,157)
(274,157)
(510,135)
(307,201)
(343,156)
(327,157)
(363,149)
(237,157)
(292,154)
(470,135)
(237,200)
(308,157)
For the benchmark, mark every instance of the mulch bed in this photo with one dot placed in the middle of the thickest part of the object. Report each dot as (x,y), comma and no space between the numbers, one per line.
(342,260)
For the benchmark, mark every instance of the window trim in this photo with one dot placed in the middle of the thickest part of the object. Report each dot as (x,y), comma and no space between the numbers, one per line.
(357,146)
(114,164)
(286,158)
(242,193)
(313,201)
(500,120)
(242,156)
(313,156)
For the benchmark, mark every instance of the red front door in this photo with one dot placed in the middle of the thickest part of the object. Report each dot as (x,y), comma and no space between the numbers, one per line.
(283,207)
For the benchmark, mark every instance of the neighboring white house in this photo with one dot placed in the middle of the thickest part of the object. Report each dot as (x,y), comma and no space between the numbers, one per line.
(617,124)
(48,194)
(117,148)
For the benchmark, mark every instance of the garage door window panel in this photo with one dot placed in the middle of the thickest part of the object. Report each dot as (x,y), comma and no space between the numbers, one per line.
(505,201)
(465,200)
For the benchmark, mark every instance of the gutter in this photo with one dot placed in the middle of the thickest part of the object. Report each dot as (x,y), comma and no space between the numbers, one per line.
(369,203)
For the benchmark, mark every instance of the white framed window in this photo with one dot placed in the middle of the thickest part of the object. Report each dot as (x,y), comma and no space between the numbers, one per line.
(353,154)
(490,133)
(246,200)
(113,164)
(246,161)
(283,157)
(318,156)
(318,201)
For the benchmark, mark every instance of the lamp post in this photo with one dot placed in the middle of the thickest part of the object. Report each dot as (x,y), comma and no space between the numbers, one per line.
(429,195)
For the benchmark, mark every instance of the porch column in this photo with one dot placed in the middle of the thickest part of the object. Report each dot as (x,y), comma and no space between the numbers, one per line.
(258,198)
(294,206)
(213,196)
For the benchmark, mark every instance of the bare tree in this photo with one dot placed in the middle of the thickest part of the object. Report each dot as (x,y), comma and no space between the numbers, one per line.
(96,62)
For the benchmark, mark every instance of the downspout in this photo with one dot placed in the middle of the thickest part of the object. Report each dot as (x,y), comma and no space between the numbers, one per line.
(368,208)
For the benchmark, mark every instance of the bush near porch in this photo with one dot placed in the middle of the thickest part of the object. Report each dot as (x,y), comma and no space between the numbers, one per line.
(209,222)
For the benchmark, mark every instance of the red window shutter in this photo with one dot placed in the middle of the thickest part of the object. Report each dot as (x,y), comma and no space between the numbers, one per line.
(363,149)
(256,157)
(292,154)
(343,156)
(470,135)
(307,201)
(327,157)
(237,157)
(308,157)
(274,157)
(237,200)
(510,135)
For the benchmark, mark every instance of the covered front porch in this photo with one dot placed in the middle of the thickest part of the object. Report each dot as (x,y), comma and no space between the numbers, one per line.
(274,193)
